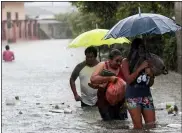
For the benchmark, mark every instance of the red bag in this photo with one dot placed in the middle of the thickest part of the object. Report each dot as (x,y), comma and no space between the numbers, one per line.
(115,91)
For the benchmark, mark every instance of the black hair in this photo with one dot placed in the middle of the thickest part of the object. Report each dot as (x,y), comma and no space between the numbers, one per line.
(135,46)
(7,47)
(133,55)
(91,49)
(114,53)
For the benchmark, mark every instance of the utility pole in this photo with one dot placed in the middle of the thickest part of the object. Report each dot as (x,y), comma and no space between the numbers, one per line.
(178,19)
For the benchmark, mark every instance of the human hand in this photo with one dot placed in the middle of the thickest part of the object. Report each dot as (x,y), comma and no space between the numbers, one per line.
(95,86)
(144,65)
(113,79)
(149,72)
(78,98)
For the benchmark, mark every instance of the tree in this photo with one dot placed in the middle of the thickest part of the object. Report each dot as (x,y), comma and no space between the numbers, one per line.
(104,11)
(78,22)
(108,13)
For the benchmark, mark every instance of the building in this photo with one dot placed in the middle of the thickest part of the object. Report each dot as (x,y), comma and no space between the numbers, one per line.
(15,25)
(48,26)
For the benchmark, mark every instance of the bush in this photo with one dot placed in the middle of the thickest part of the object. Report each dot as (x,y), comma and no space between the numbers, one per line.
(169,53)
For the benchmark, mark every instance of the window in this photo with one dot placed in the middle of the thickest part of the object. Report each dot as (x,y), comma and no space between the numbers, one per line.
(8,15)
(16,15)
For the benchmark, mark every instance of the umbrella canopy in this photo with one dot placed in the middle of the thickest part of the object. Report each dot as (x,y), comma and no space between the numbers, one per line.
(95,38)
(142,23)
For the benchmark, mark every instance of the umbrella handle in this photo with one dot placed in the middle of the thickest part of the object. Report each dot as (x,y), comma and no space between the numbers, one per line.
(99,55)
(139,11)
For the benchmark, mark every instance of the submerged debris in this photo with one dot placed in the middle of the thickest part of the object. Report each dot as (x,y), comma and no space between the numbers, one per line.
(174,125)
(10,102)
(57,107)
(20,113)
(57,111)
(67,111)
(17,98)
(172,109)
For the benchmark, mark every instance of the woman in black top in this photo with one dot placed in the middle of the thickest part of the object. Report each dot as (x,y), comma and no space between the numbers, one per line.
(139,78)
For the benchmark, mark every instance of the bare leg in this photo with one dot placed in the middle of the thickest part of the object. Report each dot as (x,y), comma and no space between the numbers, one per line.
(136,116)
(149,117)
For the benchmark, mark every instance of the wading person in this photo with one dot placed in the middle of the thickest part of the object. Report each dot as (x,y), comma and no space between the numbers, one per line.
(84,71)
(8,55)
(106,110)
(139,79)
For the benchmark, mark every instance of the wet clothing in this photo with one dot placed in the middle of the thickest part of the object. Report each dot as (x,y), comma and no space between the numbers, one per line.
(8,56)
(86,105)
(116,112)
(107,111)
(142,102)
(138,93)
(137,90)
(84,72)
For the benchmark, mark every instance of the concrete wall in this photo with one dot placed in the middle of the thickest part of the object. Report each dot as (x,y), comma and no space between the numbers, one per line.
(45,28)
(13,7)
(178,18)
(53,30)
(19,31)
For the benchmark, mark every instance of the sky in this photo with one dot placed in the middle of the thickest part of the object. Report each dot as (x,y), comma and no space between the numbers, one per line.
(54,7)
(47,3)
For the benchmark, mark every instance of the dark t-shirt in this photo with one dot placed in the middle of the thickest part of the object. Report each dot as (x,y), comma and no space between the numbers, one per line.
(139,88)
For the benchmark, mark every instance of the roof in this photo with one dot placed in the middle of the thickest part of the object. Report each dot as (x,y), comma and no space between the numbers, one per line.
(36,11)
(46,17)
(48,21)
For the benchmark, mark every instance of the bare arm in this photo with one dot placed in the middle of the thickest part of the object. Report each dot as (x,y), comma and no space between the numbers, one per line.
(73,87)
(130,77)
(152,77)
(96,78)
(73,78)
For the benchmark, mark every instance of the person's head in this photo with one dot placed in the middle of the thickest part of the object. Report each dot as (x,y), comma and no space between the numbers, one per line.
(137,47)
(115,58)
(7,47)
(91,55)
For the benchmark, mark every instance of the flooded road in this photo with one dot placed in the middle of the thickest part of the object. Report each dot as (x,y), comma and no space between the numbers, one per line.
(40,77)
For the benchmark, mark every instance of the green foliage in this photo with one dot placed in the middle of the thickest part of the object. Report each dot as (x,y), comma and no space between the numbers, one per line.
(107,13)
(104,11)
(78,22)
(169,53)
(130,8)
(162,45)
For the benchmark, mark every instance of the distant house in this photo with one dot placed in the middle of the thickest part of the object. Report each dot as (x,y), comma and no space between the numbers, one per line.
(15,26)
(48,26)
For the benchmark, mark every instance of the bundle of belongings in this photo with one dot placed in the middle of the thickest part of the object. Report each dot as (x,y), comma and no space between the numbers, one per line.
(157,64)
(114,91)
